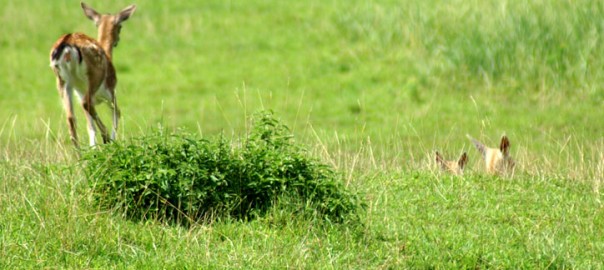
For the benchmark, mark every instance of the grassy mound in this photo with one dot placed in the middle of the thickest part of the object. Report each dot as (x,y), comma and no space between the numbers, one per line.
(181,177)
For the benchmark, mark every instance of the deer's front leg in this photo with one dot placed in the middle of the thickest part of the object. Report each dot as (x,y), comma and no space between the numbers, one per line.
(116,117)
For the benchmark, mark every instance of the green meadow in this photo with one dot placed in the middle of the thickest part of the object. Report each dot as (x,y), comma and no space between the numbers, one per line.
(371,88)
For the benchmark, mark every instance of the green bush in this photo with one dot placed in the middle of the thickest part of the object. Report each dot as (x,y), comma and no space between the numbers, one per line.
(181,177)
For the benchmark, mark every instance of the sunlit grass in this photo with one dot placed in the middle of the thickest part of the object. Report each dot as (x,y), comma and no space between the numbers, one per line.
(373,88)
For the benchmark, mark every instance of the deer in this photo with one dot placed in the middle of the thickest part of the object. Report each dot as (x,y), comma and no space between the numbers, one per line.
(497,160)
(83,65)
(455,167)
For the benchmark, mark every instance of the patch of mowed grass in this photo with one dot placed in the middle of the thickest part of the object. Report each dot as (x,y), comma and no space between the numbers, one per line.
(179,177)
(480,221)
(414,219)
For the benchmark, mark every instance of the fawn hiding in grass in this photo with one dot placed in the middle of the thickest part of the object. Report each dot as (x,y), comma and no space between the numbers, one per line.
(497,160)
(452,166)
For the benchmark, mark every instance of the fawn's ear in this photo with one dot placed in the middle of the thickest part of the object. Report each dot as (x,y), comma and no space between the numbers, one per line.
(125,14)
(479,146)
(440,161)
(90,13)
(504,146)
(463,160)
(439,158)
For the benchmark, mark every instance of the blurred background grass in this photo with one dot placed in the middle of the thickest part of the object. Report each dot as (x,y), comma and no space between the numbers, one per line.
(408,76)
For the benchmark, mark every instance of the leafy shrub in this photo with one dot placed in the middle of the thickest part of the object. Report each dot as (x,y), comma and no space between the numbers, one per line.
(181,177)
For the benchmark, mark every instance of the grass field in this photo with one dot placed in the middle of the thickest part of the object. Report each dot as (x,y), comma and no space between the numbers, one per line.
(372,88)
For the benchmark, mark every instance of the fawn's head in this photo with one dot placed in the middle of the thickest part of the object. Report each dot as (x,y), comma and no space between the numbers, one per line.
(506,163)
(108,25)
(497,160)
(454,167)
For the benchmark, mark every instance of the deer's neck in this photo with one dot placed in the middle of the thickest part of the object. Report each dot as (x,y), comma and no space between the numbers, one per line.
(105,38)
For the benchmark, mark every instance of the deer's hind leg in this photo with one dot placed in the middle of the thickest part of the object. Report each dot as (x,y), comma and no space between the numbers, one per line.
(66,93)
